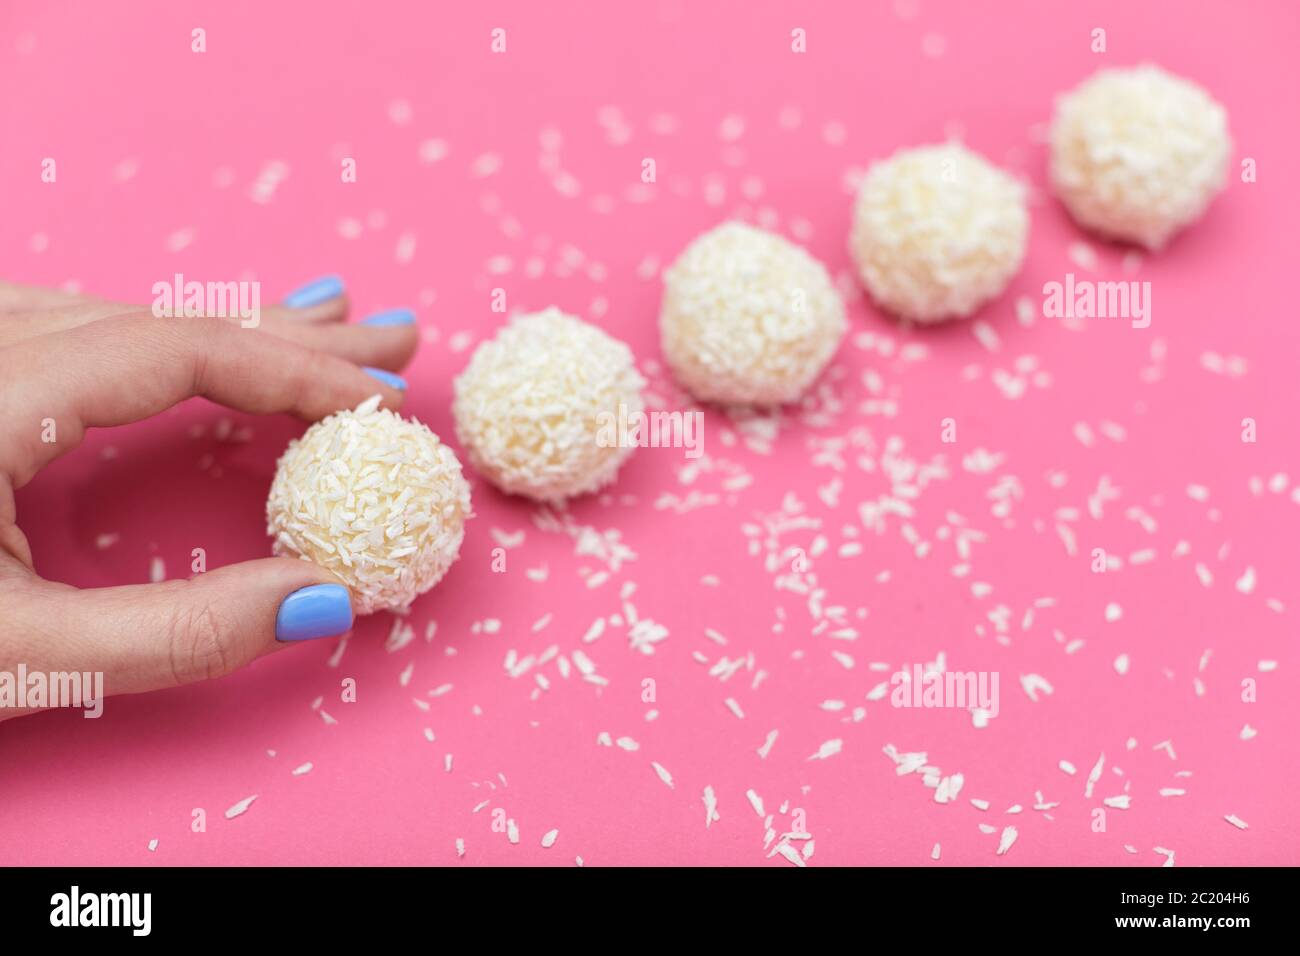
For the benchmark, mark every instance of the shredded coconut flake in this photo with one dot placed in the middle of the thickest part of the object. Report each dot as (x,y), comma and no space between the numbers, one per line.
(241,807)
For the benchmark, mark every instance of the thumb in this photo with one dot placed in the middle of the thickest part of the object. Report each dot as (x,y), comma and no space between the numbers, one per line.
(145,637)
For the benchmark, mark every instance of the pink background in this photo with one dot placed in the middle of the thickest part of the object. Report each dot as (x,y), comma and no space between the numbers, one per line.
(158,149)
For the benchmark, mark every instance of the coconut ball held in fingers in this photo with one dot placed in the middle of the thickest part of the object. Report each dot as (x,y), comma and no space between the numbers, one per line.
(376,499)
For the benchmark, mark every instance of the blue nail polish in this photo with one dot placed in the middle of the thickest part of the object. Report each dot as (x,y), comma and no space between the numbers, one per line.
(322,610)
(388,378)
(391,317)
(315,292)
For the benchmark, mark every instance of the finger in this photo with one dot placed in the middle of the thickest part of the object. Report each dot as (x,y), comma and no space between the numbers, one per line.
(124,369)
(386,340)
(321,297)
(15,552)
(320,300)
(150,636)
(31,310)
(17,326)
(388,343)
(15,297)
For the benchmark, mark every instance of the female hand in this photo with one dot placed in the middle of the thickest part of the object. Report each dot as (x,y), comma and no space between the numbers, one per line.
(77,362)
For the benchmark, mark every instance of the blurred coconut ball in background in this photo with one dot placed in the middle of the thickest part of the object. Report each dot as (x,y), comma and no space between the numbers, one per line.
(748,317)
(530,405)
(376,499)
(937,232)
(1137,154)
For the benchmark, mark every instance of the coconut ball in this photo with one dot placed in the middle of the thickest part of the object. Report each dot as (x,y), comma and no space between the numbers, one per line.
(378,500)
(535,407)
(1138,154)
(748,318)
(937,232)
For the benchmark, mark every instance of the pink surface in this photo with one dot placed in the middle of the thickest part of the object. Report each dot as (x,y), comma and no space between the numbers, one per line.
(157,150)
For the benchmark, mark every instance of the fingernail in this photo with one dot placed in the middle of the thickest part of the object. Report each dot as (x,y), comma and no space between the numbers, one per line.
(391,317)
(315,292)
(388,378)
(322,610)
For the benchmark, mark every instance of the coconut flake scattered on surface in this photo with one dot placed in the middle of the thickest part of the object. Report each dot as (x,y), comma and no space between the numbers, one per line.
(710,807)
(240,807)
(828,749)
(1009,835)
(663,773)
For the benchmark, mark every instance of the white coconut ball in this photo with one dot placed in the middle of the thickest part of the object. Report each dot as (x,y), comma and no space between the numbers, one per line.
(1138,154)
(748,318)
(533,408)
(937,232)
(376,499)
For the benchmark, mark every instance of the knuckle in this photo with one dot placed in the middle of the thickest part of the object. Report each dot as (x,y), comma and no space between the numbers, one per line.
(203,643)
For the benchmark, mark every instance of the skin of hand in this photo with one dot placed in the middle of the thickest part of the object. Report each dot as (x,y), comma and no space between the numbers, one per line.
(89,363)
